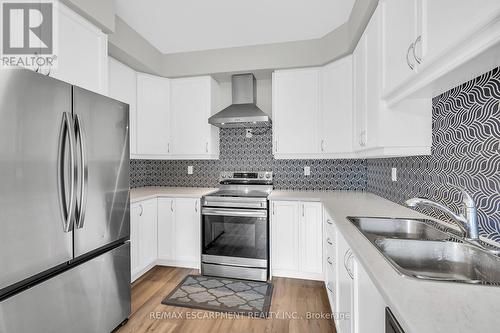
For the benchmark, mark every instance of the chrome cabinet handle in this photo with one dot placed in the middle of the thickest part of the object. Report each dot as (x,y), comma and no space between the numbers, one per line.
(274,208)
(303,210)
(362,140)
(410,48)
(172,205)
(329,241)
(417,58)
(83,173)
(67,209)
(322,145)
(347,257)
(329,287)
(142,209)
(196,206)
(275,146)
(168,147)
(206,147)
(329,222)
(329,260)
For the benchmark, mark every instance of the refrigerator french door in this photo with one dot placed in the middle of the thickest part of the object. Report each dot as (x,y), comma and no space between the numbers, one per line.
(63,201)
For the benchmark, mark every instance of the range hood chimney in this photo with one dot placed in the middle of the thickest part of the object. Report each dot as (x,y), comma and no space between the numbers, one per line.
(243,112)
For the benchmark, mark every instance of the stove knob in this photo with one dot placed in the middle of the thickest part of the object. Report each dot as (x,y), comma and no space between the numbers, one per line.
(261,175)
(268,176)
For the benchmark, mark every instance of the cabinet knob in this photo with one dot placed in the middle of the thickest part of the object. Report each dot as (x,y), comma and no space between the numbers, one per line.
(142,209)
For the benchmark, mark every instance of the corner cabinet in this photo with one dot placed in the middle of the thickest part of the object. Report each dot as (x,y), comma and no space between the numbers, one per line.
(379,130)
(296,234)
(192,102)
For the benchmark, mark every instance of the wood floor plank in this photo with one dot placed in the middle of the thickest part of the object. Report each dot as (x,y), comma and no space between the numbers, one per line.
(292,300)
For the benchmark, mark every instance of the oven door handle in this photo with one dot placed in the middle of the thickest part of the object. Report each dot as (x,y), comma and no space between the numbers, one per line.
(234,212)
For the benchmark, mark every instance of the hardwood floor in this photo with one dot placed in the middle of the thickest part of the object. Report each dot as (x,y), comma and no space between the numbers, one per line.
(292,300)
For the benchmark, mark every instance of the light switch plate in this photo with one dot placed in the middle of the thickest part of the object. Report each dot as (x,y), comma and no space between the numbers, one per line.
(394,174)
(190,169)
(307,171)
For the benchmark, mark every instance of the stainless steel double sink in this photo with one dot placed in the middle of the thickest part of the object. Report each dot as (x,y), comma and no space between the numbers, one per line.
(416,249)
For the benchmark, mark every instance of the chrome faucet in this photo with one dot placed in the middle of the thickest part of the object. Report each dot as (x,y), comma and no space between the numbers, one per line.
(466,221)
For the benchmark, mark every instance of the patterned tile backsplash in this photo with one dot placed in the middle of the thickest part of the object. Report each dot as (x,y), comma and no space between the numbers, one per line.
(465,152)
(240,153)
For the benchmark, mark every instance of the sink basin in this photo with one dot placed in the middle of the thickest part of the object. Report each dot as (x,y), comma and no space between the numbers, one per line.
(398,228)
(440,260)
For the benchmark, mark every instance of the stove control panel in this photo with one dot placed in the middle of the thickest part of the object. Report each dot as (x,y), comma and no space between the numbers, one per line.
(246,177)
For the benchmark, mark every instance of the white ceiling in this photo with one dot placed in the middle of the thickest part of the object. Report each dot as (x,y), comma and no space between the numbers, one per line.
(193,25)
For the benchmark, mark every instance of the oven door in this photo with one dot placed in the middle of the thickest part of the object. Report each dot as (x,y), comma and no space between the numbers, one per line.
(235,237)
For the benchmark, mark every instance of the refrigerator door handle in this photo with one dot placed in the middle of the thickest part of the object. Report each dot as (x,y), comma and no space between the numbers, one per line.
(67,206)
(82,173)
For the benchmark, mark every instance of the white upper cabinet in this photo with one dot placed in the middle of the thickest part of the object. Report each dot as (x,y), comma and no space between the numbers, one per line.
(379,131)
(153,116)
(296,99)
(192,102)
(336,107)
(448,22)
(431,46)
(122,85)
(400,19)
(82,52)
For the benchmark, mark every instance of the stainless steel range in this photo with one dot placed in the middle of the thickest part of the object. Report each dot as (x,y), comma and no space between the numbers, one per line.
(235,227)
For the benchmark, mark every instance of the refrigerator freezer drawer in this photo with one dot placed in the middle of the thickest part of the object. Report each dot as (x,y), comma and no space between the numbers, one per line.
(91,297)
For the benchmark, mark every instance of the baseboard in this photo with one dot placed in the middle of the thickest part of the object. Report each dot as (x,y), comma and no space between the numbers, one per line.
(137,274)
(178,263)
(297,275)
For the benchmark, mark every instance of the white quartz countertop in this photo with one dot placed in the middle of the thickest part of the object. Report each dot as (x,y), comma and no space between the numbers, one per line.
(420,306)
(151,192)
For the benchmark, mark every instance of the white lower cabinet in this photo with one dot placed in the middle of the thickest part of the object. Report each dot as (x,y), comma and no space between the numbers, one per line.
(143,236)
(179,232)
(164,231)
(355,300)
(296,234)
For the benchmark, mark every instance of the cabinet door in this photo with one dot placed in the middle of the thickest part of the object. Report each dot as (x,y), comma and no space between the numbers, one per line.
(399,32)
(285,240)
(368,305)
(310,242)
(344,286)
(82,54)
(448,22)
(190,108)
(135,212)
(166,233)
(359,95)
(122,85)
(296,111)
(187,231)
(148,241)
(336,107)
(153,120)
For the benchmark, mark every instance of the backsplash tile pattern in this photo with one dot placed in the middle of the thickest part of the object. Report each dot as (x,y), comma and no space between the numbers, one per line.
(240,153)
(465,152)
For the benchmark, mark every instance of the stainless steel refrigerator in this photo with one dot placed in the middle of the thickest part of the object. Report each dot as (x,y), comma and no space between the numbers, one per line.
(64,207)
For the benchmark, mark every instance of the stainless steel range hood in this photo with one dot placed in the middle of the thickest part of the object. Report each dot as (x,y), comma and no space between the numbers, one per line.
(243,112)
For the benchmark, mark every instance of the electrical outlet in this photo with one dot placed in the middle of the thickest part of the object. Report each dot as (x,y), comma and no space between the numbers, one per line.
(190,169)
(394,174)
(307,171)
